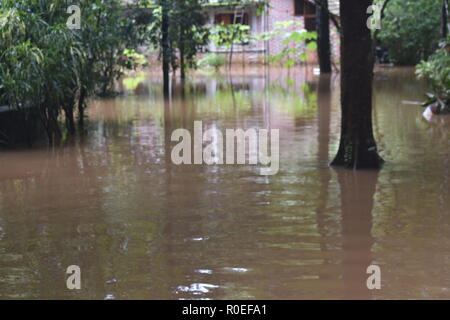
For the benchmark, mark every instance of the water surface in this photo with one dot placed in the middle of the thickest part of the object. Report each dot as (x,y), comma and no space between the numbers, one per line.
(141,227)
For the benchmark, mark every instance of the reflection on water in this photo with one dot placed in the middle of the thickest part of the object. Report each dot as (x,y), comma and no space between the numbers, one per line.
(141,227)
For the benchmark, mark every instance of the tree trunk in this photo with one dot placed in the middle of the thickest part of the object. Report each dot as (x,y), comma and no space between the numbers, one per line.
(230,57)
(324,116)
(81,102)
(323,36)
(444,19)
(70,121)
(182,64)
(324,175)
(357,147)
(53,130)
(165,47)
(377,31)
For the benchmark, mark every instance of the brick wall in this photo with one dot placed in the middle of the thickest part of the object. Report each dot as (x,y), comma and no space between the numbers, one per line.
(281,10)
(278,11)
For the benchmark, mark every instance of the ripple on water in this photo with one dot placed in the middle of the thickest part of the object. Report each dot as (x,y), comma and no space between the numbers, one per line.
(196,288)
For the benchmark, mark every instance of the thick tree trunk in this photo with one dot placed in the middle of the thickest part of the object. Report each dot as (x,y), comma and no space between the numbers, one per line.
(165,47)
(323,36)
(357,147)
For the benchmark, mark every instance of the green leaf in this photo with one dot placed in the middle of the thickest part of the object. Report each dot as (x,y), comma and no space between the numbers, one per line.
(312,46)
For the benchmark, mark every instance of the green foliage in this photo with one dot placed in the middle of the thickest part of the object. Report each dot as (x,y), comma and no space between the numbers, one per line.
(212,60)
(134,59)
(48,69)
(436,70)
(410,30)
(187,34)
(132,81)
(295,43)
(110,34)
(227,35)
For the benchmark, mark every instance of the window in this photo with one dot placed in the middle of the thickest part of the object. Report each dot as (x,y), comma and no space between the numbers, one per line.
(310,23)
(304,8)
(309,8)
(299,7)
(228,18)
(308,11)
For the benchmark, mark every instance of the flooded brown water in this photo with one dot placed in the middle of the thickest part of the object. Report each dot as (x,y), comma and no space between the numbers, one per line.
(141,227)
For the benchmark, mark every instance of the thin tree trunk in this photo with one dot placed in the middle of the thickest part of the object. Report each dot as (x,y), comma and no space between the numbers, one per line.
(323,39)
(444,19)
(230,57)
(357,147)
(70,121)
(330,15)
(81,102)
(324,176)
(324,116)
(165,47)
(182,70)
(182,63)
(382,15)
(53,130)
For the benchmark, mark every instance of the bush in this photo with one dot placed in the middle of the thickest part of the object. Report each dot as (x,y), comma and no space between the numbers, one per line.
(296,42)
(49,69)
(212,60)
(410,30)
(437,72)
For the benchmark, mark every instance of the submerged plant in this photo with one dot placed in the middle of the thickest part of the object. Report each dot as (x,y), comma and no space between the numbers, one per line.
(296,43)
(436,70)
(48,70)
(212,60)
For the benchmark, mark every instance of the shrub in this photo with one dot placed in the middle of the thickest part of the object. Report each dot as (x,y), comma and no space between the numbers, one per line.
(436,70)
(212,60)
(49,69)
(410,30)
(296,42)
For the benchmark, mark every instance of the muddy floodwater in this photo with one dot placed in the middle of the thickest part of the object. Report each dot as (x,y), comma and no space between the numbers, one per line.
(140,227)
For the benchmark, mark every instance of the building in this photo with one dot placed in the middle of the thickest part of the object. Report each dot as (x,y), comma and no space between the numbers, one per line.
(261,18)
